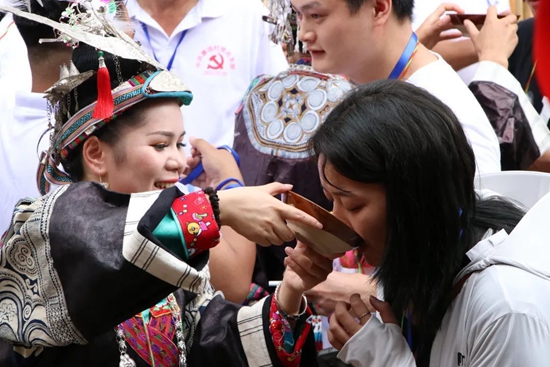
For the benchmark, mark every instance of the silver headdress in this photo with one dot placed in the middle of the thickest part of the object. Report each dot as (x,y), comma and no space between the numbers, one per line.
(93,28)
(91,22)
(286,25)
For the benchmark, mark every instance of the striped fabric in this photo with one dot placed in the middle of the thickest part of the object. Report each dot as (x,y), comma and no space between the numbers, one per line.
(153,259)
(251,330)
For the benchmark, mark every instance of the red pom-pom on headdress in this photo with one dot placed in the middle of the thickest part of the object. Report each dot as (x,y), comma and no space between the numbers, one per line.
(105,104)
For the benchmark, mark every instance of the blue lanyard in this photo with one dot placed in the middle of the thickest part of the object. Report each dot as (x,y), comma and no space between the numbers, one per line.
(405,57)
(169,66)
(409,330)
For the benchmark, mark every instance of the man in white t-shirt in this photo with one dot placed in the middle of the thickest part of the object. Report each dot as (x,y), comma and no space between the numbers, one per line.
(460,53)
(372,40)
(23,130)
(217,46)
(15,72)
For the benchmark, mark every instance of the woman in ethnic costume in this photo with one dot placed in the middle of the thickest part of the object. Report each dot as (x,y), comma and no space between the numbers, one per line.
(109,269)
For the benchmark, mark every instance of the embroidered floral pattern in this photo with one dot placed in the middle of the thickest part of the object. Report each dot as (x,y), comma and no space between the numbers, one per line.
(288,350)
(33,310)
(196,218)
(255,294)
(157,340)
(281,113)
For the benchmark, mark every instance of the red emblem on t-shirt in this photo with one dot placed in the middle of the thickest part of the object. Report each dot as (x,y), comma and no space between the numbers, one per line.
(215,60)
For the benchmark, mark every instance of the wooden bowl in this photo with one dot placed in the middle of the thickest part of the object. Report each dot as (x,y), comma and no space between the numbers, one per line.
(335,237)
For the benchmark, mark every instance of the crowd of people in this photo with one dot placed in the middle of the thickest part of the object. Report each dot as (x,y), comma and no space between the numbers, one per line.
(144,145)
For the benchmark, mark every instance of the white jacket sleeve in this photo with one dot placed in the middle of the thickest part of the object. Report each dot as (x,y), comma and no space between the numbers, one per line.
(377,345)
(514,340)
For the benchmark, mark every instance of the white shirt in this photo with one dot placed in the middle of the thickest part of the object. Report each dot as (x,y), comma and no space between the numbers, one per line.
(19,154)
(443,82)
(15,70)
(226,46)
(424,8)
(500,318)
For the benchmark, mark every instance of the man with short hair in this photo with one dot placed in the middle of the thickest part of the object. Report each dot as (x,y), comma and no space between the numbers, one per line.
(23,130)
(15,73)
(369,40)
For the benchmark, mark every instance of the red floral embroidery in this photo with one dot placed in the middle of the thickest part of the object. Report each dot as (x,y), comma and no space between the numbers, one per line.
(281,332)
(160,328)
(196,218)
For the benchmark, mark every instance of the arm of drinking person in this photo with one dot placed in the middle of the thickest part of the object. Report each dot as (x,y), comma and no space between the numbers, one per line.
(524,135)
(366,341)
(232,264)
(339,287)
(438,27)
(305,270)
(274,331)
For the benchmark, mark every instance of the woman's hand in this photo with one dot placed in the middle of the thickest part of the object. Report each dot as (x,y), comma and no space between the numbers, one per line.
(497,39)
(339,287)
(305,269)
(218,164)
(349,318)
(254,213)
(437,27)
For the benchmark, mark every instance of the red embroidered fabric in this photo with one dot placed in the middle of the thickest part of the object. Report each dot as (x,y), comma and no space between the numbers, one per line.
(157,339)
(282,336)
(196,218)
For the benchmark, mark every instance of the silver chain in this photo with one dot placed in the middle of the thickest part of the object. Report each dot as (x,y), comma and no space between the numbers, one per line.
(178,325)
(49,113)
(118,71)
(76,100)
(125,360)
(69,106)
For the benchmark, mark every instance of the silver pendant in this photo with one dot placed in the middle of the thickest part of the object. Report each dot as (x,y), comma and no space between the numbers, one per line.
(126,361)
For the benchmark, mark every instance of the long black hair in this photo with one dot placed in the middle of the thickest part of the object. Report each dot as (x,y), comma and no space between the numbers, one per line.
(32,31)
(400,136)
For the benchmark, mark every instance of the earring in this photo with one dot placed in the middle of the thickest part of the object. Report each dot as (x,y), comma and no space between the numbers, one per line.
(104,184)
